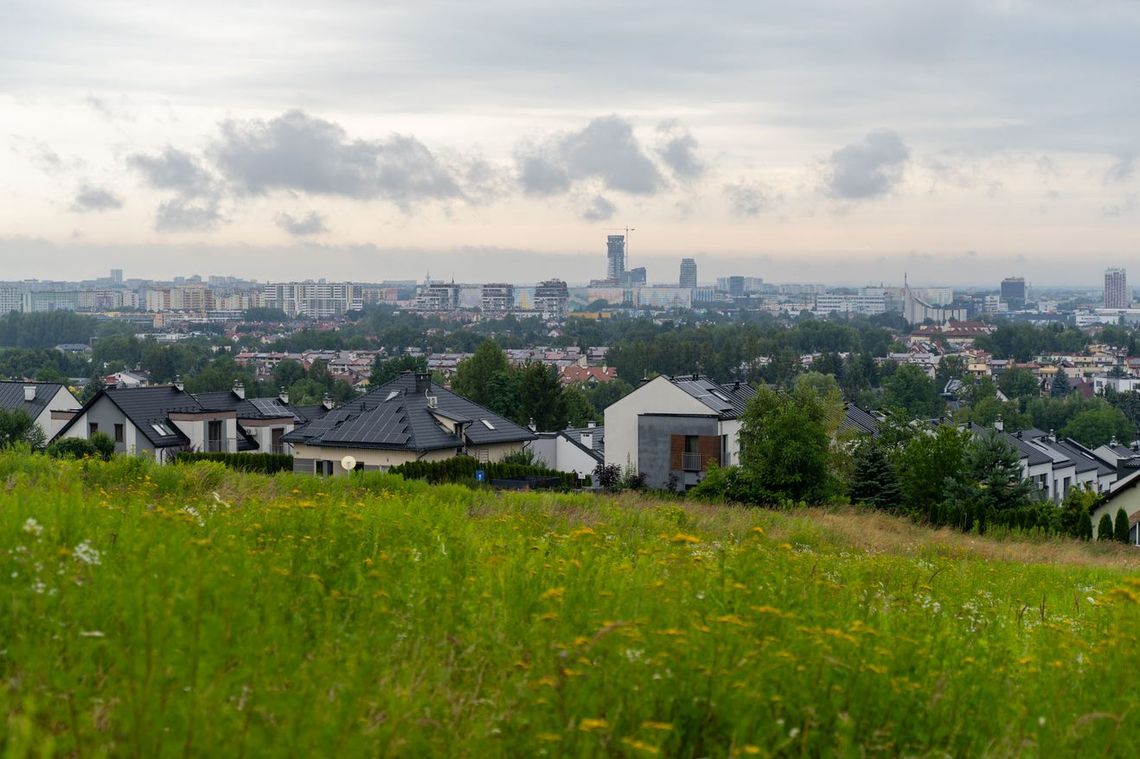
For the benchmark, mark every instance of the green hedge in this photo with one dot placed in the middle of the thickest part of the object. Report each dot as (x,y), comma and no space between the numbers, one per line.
(461,469)
(264,463)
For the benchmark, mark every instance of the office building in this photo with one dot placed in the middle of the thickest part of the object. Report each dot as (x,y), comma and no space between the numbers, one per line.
(1013,291)
(1116,293)
(688,273)
(615,258)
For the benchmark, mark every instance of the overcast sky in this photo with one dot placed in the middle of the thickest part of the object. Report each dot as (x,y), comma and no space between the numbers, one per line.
(821,141)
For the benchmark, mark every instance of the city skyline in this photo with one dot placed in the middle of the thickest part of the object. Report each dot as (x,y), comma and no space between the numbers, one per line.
(949,141)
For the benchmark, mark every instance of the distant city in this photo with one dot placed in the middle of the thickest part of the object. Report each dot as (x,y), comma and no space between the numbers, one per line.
(185,301)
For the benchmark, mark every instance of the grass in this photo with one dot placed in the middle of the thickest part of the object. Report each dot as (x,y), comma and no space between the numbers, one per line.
(188,610)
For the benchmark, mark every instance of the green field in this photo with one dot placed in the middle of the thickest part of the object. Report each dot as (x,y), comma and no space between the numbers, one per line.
(188,610)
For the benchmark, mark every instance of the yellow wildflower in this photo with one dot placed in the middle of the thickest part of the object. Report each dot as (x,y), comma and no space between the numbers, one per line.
(663,726)
(682,538)
(589,725)
(553,593)
(640,745)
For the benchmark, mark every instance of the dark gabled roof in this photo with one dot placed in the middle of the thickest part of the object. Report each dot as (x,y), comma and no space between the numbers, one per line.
(145,407)
(309,413)
(247,408)
(597,447)
(395,416)
(12,396)
(728,401)
(860,421)
(1083,457)
(1034,455)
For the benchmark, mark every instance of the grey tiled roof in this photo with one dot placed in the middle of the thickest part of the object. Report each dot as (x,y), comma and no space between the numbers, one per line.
(12,396)
(395,416)
(855,418)
(247,408)
(728,401)
(147,406)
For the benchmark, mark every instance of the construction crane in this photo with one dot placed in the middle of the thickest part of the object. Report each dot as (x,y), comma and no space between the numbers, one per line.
(627,230)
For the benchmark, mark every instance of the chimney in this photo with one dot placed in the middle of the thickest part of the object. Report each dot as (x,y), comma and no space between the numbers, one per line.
(29,393)
(283,395)
(531,425)
(178,384)
(587,439)
(591,424)
(999,424)
(423,382)
(327,402)
(239,389)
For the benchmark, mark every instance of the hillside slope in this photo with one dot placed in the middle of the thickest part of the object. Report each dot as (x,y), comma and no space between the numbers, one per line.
(154,610)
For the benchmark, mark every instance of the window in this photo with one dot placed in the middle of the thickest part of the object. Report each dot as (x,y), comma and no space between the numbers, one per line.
(275,440)
(92,428)
(120,435)
(214,441)
(162,429)
(391,395)
(487,424)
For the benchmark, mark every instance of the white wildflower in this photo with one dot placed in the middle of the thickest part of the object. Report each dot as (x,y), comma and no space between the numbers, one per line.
(86,554)
(794,732)
(39,587)
(91,634)
(32,527)
(1041,721)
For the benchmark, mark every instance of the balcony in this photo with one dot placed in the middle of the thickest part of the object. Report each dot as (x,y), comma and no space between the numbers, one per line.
(691,462)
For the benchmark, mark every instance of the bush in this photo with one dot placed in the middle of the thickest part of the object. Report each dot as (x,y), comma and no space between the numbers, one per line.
(98,446)
(1120,528)
(1104,528)
(461,469)
(263,463)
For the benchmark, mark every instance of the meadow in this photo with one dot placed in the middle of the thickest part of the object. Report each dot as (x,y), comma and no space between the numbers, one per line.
(190,610)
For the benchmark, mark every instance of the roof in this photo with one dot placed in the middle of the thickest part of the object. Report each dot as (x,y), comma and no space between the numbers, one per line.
(395,416)
(148,409)
(12,396)
(247,408)
(728,401)
(597,447)
(858,420)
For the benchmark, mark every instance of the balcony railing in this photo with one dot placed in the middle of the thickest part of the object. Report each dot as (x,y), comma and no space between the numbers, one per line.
(691,462)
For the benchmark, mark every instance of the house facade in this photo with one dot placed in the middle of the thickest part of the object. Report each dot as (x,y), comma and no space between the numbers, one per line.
(672,428)
(49,404)
(577,450)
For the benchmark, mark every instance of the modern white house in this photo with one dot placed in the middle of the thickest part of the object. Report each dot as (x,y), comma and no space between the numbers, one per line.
(672,428)
(49,404)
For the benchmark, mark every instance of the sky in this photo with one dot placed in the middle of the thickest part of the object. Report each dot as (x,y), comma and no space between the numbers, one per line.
(817,141)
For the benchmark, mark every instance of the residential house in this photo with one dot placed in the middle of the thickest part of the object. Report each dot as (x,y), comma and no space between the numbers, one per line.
(578,450)
(49,404)
(410,418)
(262,422)
(157,422)
(672,428)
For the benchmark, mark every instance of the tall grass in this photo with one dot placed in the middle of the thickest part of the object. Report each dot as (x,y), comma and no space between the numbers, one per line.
(197,611)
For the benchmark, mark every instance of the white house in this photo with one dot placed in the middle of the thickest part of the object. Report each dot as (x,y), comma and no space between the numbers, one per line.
(672,428)
(49,404)
(578,450)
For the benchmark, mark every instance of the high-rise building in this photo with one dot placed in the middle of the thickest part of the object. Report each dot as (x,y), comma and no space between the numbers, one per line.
(688,273)
(319,299)
(615,258)
(736,285)
(1116,293)
(497,298)
(551,298)
(635,277)
(1013,290)
(117,276)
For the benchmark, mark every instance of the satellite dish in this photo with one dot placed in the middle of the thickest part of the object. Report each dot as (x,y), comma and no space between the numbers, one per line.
(348,463)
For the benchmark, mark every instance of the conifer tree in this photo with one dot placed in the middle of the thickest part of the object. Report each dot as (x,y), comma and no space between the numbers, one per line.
(873,479)
(1120,531)
(1104,528)
(1061,385)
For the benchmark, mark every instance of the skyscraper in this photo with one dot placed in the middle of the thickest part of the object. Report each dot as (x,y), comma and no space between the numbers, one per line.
(1116,292)
(615,258)
(688,273)
(1013,291)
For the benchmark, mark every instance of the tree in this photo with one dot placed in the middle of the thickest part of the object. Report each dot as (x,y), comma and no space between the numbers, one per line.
(17,426)
(1019,383)
(606,394)
(1120,528)
(873,479)
(1099,425)
(1061,386)
(912,391)
(925,462)
(287,372)
(785,444)
(473,376)
(387,370)
(1104,528)
(990,482)
(579,410)
(949,368)
(541,398)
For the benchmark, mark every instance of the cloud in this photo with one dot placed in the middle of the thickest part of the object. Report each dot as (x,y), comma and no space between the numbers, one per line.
(95,199)
(173,169)
(311,224)
(183,215)
(605,150)
(678,151)
(1122,169)
(866,169)
(297,152)
(599,209)
(38,153)
(747,198)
